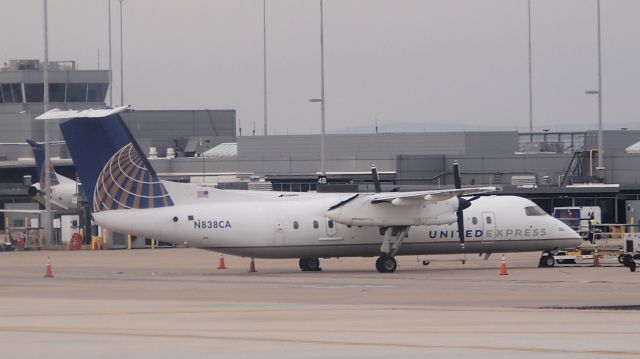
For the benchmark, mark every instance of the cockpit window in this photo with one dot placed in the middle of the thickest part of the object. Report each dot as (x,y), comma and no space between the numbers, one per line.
(534,211)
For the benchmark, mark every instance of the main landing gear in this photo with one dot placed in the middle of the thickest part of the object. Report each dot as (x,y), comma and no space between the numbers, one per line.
(309,264)
(546,260)
(393,237)
(386,264)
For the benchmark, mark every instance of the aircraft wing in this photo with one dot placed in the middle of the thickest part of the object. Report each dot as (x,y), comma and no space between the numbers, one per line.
(24,143)
(404,208)
(26,211)
(434,195)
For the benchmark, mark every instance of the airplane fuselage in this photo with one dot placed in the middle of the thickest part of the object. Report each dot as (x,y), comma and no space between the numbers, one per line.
(293,227)
(62,194)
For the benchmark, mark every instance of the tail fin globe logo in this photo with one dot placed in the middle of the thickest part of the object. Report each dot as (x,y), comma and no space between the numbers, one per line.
(111,166)
(125,182)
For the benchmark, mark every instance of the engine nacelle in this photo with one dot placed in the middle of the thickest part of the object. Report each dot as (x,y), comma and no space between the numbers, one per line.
(33,191)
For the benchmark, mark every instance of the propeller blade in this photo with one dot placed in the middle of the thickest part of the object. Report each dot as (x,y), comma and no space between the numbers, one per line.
(457,183)
(462,205)
(343,202)
(376,179)
(460,227)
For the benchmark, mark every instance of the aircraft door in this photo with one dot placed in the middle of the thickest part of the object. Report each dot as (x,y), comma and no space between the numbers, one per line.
(488,226)
(280,233)
(330,226)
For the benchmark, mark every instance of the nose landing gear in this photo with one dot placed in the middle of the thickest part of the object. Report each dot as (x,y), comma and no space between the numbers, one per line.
(309,264)
(546,260)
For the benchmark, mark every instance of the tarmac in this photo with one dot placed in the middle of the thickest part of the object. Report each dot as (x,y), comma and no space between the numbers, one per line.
(174,303)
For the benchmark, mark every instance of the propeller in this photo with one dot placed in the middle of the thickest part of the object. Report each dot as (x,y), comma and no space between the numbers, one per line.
(457,183)
(462,203)
(376,179)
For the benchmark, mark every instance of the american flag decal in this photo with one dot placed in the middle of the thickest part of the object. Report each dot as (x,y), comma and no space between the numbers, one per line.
(125,182)
(203,194)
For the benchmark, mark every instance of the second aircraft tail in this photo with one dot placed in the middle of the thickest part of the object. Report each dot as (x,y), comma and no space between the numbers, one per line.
(38,154)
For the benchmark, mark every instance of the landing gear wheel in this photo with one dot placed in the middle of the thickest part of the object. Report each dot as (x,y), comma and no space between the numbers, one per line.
(386,264)
(632,266)
(621,258)
(626,260)
(309,264)
(546,261)
(549,261)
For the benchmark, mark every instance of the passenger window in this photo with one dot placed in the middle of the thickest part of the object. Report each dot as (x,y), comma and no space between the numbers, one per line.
(315,224)
(295,225)
(330,224)
(488,219)
(474,220)
(534,211)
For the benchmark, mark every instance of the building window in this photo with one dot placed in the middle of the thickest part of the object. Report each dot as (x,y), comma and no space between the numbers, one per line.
(10,93)
(96,92)
(315,224)
(16,89)
(57,92)
(6,93)
(76,92)
(34,92)
(295,225)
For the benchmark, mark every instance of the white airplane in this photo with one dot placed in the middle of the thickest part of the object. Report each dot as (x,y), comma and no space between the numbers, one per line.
(126,196)
(62,189)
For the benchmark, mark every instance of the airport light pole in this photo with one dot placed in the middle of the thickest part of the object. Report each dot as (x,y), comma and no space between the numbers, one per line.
(110,59)
(600,167)
(321,99)
(322,168)
(48,235)
(600,149)
(322,149)
(530,74)
(121,60)
(264,59)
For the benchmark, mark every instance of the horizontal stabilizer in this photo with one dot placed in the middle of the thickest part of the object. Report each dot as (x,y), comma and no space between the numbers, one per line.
(57,114)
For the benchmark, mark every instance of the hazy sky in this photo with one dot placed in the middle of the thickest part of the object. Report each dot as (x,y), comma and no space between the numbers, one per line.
(427,62)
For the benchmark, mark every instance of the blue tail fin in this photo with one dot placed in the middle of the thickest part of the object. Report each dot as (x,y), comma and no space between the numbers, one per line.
(113,170)
(38,153)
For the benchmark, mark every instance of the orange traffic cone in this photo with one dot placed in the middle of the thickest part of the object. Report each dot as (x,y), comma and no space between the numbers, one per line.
(503,267)
(221,263)
(252,266)
(596,259)
(48,272)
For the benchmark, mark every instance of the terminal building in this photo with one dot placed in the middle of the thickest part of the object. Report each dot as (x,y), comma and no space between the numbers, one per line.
(553,169)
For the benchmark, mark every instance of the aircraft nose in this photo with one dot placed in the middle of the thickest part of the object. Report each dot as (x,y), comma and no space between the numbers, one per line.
(572,235)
